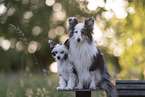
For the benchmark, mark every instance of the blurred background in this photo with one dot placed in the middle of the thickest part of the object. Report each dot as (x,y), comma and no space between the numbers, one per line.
(27,68)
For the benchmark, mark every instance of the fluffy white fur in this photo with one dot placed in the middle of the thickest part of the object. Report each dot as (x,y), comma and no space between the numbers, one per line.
(65,67)
(82,55)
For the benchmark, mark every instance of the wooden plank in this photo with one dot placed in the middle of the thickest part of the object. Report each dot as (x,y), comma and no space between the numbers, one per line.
(130,81)
(131,86)
(131,92)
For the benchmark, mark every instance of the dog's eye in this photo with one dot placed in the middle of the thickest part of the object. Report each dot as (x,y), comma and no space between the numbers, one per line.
(56,52)
(53,54)
(62,52)
(76,31)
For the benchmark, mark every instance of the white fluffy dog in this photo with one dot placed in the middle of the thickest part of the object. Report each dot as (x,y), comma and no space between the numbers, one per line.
(66,69)
(88,60)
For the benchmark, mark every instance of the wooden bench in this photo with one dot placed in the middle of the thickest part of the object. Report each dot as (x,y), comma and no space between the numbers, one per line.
(130,88)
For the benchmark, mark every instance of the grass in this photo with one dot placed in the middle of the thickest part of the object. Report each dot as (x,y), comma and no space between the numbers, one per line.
(33,85)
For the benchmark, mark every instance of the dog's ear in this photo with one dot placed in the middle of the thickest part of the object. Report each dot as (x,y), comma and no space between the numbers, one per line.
(66,43)
(72,23)
(51,43)
(89,24)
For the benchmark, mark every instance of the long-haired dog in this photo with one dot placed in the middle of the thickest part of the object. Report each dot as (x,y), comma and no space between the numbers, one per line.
(88,60)
(66,69)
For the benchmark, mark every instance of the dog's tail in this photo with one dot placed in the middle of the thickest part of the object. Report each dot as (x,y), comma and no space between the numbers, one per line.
(109,88)
(107,85)
(105,82)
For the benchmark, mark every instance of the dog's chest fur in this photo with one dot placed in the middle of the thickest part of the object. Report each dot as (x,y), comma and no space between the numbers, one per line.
(82,55)
(65,68)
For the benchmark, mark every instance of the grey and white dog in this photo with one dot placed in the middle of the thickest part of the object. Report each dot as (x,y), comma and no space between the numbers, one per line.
(66,68)
(87,58)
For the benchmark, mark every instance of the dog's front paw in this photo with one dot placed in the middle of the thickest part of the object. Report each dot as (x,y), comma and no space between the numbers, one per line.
(60,88)
(69,88)
(78,88)
(92,87)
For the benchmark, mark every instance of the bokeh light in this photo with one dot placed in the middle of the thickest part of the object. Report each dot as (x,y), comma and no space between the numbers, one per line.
(3,9)
(108,15)
(60,30)
(92,5)
(36,30)
(5,44)
(60,15)
(19,46)
(53,67)
(49,2)
(11,11)
(128,42)
(33,47)
(97,32)
(57,7)
(63,38)
(131,10)
(28,15)
(52,33)
(117,51)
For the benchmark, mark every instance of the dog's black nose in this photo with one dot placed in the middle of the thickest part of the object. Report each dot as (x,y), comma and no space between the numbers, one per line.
(58,57)
(78,39)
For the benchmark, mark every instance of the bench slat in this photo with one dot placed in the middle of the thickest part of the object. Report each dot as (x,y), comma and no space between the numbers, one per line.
(130,81)
(131,86)
(131,92)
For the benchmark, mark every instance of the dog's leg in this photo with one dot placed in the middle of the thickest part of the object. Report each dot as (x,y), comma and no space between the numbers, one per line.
(71,83)
(62,83)
(92,83)
(80,84)
(95,78)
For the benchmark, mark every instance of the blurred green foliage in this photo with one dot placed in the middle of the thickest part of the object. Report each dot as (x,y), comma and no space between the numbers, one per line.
(119,32)
(132,60)
(29,85)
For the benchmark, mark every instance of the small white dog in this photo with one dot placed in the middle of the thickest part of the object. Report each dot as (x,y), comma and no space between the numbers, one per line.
(66,69)
(88,60)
